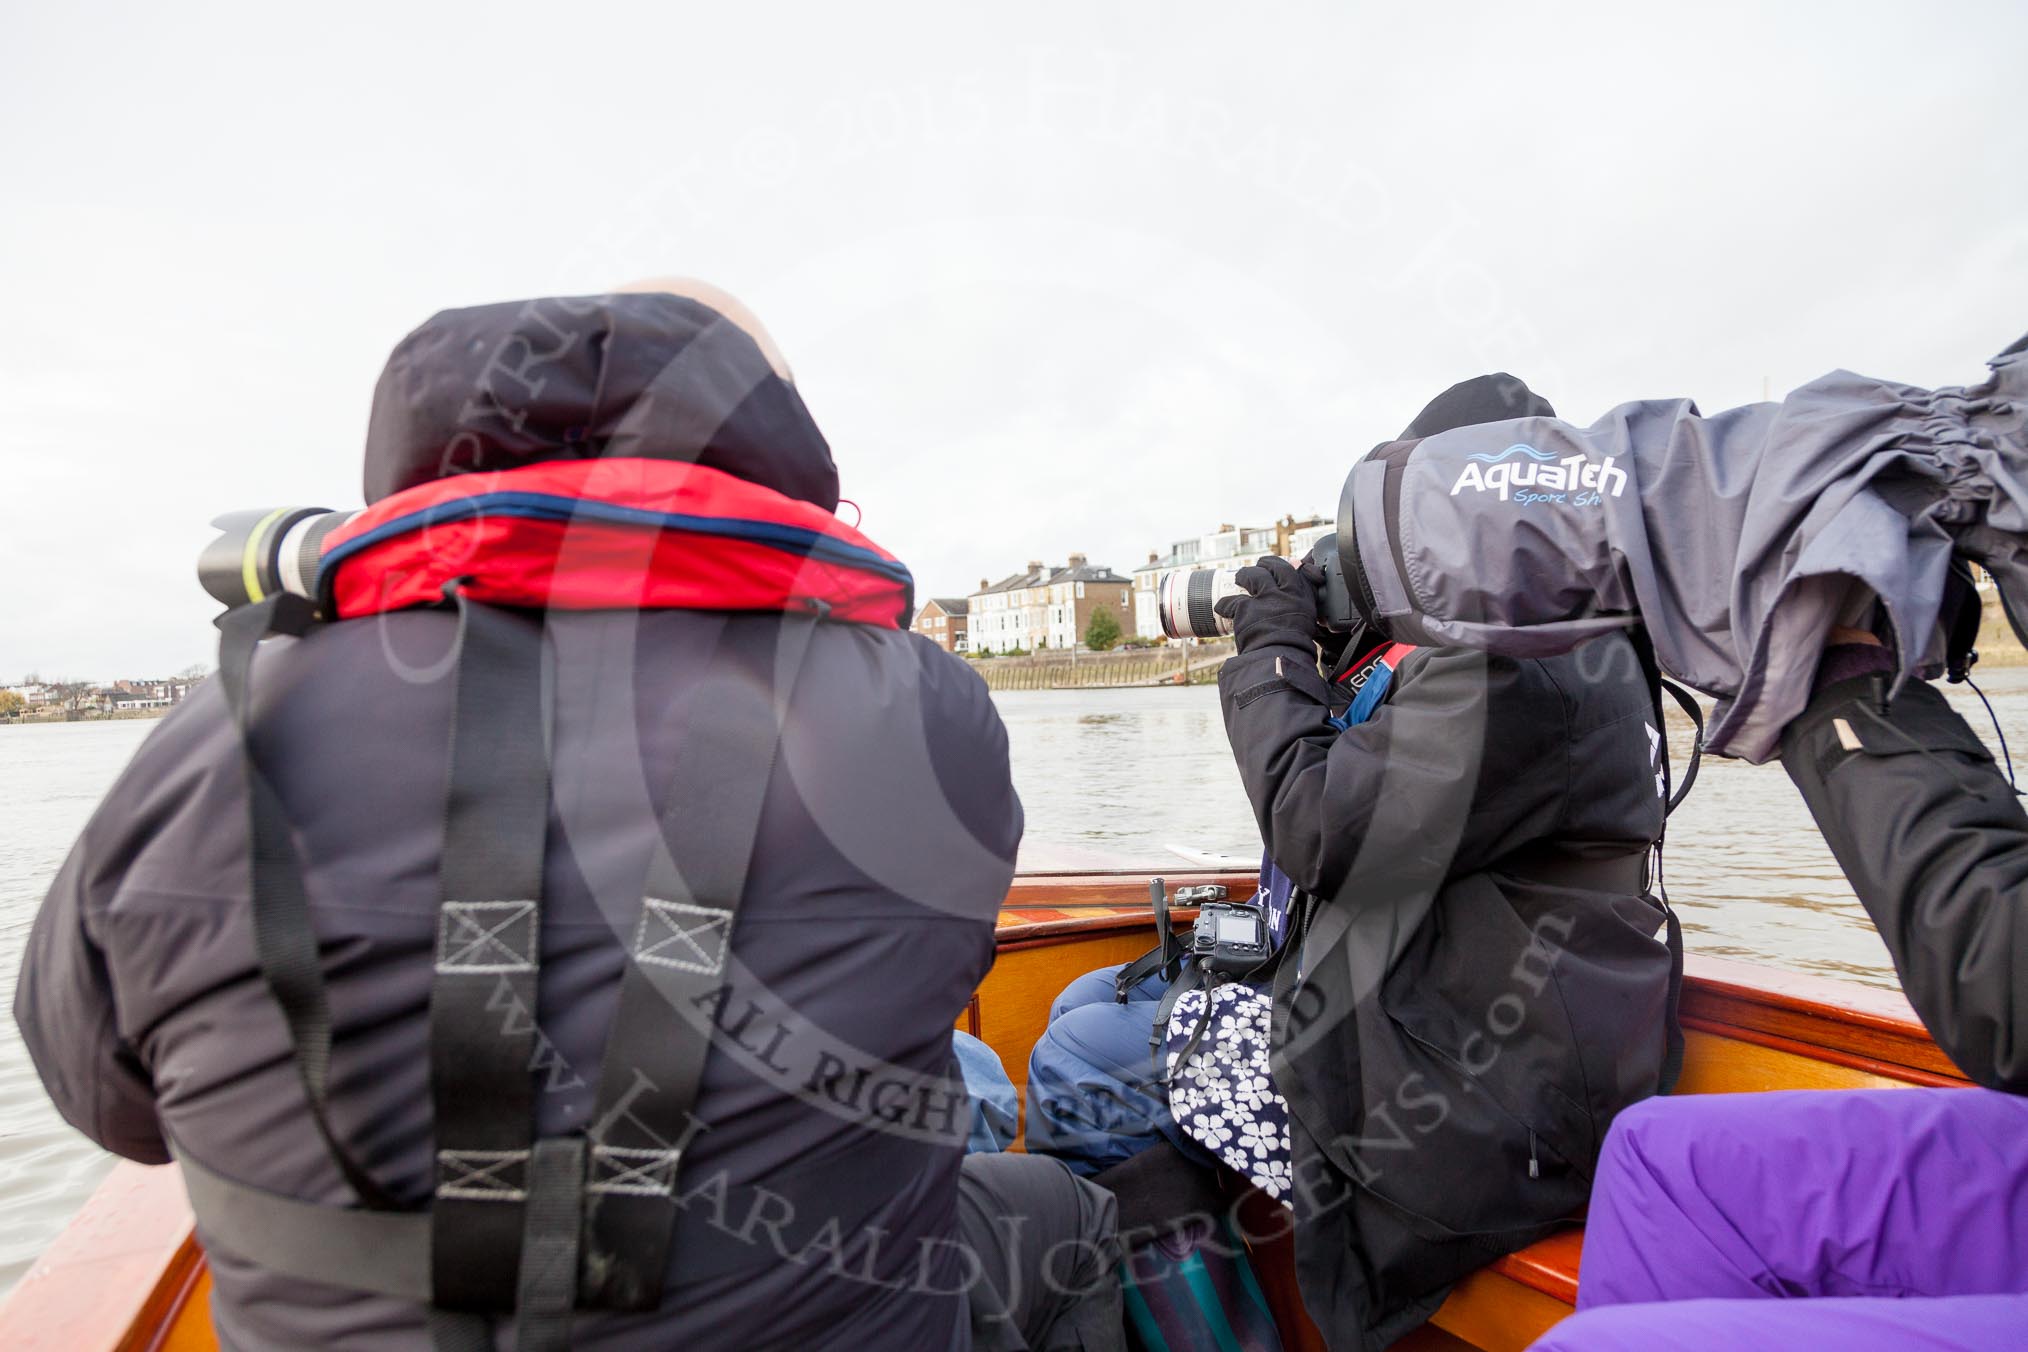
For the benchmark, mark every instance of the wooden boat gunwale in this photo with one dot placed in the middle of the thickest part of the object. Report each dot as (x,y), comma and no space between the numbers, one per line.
(127,1274)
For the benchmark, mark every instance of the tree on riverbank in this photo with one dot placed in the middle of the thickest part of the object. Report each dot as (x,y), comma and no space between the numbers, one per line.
(11,703)
(72,696)
(1103,632)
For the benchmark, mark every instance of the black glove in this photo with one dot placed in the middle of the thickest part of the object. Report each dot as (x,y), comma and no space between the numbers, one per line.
(1280,605)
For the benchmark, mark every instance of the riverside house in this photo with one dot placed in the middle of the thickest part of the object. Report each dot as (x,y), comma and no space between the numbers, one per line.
(943,621)
(1044,606)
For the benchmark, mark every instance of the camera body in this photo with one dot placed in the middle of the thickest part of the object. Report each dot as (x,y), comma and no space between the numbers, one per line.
(1187,597)
(1231,937)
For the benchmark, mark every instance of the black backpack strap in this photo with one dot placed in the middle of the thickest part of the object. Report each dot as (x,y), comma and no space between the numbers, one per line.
(285,942)
(1672,1047)
(1672,1056)
(1688,704)
(487,961)
(1672,1033)
(696,879)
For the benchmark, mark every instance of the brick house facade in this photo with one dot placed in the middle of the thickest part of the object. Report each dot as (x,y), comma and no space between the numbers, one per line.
(943,620)
(1046,606)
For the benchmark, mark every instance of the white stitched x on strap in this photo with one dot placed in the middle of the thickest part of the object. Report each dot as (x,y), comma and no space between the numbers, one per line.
(483,1175)
(682,935)
(638,1172)
(486,936)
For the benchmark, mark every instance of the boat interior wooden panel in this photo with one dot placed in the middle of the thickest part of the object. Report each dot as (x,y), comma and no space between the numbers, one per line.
(127,1275)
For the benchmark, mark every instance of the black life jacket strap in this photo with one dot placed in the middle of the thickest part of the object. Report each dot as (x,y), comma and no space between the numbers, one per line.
(457,1331)
(285,942)
(384,1252)
(487,960)
(536,1227)
(696,878)
(546,1290)
(387,1253)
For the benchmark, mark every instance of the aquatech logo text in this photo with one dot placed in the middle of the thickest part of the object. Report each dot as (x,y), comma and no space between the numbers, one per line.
(1527,475)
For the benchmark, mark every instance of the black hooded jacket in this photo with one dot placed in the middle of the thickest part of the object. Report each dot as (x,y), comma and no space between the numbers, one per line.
(885,847)
(1482,986)
(1481,983)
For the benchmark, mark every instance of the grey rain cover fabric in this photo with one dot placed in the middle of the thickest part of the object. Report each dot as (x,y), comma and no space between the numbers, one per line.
(1740,538)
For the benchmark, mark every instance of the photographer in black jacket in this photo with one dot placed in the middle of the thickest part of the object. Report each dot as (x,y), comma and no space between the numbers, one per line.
(1480,985)
(808,822)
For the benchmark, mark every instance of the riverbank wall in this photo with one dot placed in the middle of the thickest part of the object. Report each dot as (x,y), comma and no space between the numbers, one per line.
(1105,671)
(36,720)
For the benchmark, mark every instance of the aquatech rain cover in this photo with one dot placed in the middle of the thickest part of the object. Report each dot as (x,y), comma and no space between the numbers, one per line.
(1739,539)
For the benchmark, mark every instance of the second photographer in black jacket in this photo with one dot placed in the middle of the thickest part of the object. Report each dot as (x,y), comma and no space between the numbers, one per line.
(1481,981)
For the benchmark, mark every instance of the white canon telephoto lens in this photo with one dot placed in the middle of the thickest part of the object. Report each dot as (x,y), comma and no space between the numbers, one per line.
(1186,599)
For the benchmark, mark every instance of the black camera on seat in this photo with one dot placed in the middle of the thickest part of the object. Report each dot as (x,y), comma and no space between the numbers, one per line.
(1231,937)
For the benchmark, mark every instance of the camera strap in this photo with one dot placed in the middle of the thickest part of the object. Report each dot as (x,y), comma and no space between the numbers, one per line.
(1192,976)
(285,944)
(1366,681)
(1165,958)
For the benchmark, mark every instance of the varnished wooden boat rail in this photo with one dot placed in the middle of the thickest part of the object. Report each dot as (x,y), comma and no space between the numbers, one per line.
(124,1276)
(1855,1027)
(127,1274)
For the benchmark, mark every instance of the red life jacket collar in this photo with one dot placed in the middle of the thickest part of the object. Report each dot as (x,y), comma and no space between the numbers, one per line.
(619,534)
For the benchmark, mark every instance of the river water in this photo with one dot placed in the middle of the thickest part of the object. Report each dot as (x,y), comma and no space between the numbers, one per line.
(1110,779)
(51,776)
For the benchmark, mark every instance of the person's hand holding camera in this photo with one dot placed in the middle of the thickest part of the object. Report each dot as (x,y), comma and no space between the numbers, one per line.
(1280,605)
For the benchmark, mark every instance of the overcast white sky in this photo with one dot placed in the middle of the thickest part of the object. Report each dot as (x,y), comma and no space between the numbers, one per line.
(1058,277)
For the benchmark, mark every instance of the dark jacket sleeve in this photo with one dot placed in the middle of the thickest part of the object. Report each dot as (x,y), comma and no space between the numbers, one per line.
(1935,843)
(64,1007)
(968,748)
(1471,748)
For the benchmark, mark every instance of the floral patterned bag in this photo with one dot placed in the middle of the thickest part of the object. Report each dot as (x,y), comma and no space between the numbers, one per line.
(1220,1090)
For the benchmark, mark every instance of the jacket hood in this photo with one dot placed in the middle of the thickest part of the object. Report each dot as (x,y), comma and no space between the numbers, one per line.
(1482,399)
(648,375)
